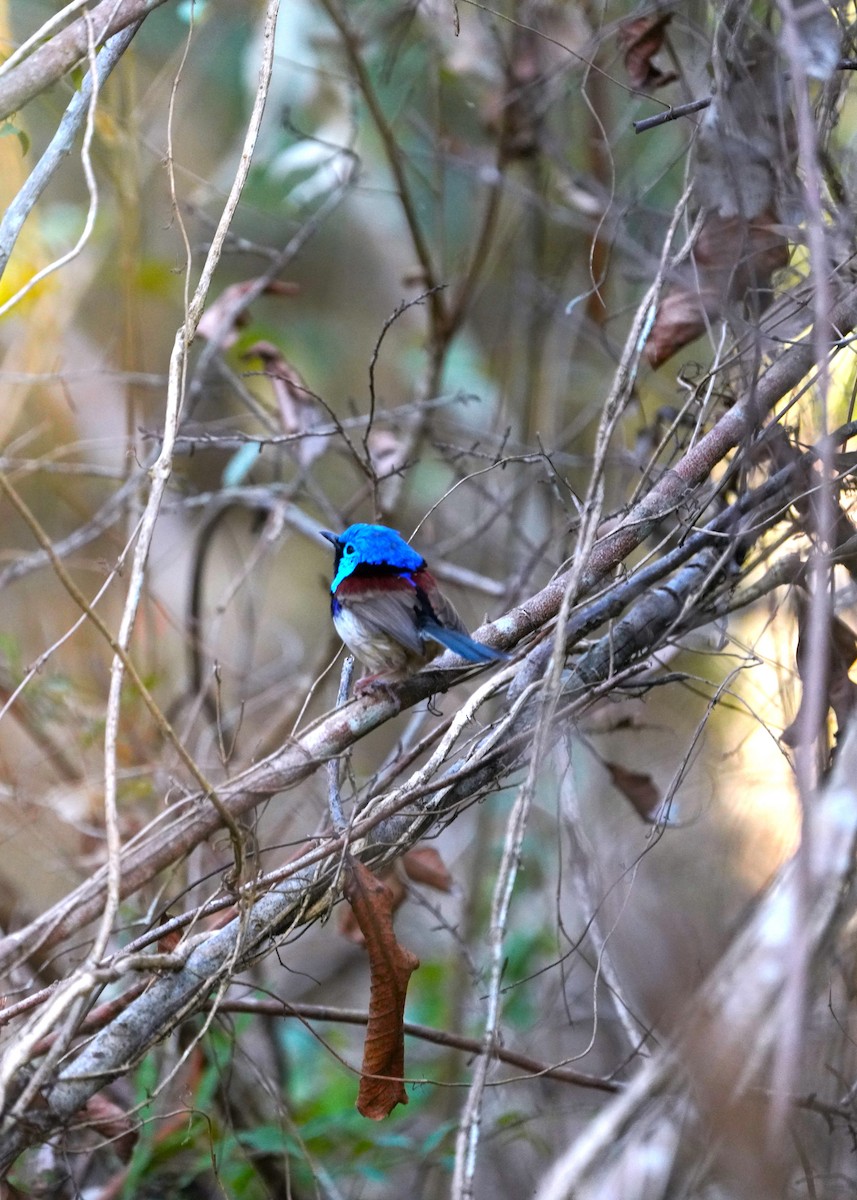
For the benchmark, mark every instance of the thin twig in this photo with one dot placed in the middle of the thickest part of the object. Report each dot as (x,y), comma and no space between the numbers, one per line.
(74,121)
(685,110)
(59,147)
(66,49)
(424,1033)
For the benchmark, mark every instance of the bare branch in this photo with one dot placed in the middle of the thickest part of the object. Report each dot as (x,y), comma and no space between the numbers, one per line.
(703,1088)
(66,49)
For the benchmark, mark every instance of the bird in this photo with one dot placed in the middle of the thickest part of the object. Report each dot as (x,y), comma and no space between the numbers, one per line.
(388,609)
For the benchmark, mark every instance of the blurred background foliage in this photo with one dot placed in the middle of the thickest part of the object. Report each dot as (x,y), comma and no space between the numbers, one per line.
(472,290)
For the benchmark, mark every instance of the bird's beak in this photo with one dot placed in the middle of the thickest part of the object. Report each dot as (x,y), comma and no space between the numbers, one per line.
(331,537)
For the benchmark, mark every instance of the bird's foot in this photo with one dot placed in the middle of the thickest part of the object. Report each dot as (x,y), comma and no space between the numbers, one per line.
(374,685)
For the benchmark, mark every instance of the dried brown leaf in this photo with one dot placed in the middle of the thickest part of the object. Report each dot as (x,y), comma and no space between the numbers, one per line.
(390,967)
(841,695)
(637,788)
(223,319)
(733,261)
(112,1123)
(168,943)
(424,865)
(641,39)
(683,315)
(739,257)
(348,925)
(299,412)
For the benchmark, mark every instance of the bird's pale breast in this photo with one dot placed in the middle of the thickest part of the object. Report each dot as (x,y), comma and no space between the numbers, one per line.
(378,651)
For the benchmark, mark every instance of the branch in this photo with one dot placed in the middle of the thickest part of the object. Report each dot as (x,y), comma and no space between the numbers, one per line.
(398,822)
(686,110)
(64,51)
(61,143)
(702,1089)
(424,1033)
(191,821)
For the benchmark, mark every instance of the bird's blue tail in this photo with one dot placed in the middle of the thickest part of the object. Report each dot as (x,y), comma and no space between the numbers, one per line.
(460,643)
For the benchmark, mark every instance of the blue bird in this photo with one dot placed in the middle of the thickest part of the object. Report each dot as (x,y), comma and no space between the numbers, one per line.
(388,609)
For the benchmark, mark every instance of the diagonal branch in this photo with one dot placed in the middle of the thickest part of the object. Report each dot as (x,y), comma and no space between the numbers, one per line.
(66,49)
(61,143)
(191,821)
(309,887)
(704,1087)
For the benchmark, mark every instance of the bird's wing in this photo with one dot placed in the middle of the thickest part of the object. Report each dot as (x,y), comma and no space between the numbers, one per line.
(462,643)
(391,613)
(434,608)
(438,620)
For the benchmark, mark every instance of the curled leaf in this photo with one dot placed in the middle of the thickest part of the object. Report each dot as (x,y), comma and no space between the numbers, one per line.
(349,926)
(423,865)
(222,320)
(637,788)
(299,412)
(733,261)
(390,968)
(641,39)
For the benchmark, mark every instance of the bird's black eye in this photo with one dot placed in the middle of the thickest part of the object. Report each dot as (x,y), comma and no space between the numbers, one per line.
(349,549)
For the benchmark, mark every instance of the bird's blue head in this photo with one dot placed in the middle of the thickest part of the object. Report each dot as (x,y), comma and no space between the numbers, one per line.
(370,546)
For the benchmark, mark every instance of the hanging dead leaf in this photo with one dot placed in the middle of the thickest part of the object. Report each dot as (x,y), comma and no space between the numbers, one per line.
(637,788)
(390,967)
(299,411)
(223,319)
(641,39)
(112,1123)
(740,256)
(424,865)
(733,261)
(684,314)
(841,691)
(349,926)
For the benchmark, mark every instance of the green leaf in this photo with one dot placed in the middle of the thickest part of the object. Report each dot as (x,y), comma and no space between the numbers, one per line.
(8,128)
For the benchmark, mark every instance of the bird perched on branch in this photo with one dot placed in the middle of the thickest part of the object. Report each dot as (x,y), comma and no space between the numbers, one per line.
(388,609)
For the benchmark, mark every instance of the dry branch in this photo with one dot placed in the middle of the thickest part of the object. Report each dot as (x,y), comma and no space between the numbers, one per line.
(66,49)
(61,143)
(705,1090)
(191,820)
(634,616)
(306,891)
